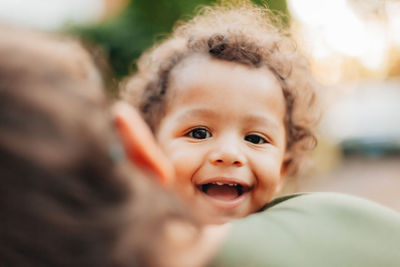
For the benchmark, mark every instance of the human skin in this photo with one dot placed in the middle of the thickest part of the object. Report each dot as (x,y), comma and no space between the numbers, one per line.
(187,245)
(224,132)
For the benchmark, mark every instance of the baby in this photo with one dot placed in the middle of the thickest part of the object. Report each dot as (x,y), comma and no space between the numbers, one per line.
(232,104)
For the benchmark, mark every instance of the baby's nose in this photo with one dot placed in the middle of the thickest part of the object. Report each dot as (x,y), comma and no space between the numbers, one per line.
(226,161)
(228,154)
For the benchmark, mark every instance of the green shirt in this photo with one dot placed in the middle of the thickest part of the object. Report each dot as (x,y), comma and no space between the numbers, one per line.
(316,229)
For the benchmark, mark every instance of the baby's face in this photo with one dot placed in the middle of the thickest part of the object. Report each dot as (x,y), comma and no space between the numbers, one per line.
(224,133)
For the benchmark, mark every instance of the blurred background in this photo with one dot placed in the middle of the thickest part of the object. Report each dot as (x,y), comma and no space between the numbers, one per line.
(354,52)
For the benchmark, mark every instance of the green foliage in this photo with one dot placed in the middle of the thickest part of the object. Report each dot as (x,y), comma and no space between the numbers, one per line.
(141,24)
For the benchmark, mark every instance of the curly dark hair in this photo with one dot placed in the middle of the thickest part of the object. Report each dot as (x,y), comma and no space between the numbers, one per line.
(240,32)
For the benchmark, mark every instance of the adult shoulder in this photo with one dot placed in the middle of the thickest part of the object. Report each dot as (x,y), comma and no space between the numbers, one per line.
(315,229)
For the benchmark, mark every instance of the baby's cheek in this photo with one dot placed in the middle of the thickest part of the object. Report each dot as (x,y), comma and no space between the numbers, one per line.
(183,191)
(265,193)
(182,164)
(184,172)
(269,179)
(268,168)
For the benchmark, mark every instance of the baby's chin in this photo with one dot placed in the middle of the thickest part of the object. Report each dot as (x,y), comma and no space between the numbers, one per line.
(212,216)
(216,210)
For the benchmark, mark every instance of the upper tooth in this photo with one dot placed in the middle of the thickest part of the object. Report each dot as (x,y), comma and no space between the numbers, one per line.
(219,183)
(231,184)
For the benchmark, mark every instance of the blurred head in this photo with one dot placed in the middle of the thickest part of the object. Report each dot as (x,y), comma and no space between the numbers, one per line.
(234,60)
(68,196)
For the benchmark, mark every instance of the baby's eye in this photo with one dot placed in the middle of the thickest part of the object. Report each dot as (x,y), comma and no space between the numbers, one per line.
(199,133)
(255,139)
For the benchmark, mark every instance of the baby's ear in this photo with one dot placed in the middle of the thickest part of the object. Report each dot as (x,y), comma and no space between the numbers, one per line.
(287,160)
(139,143)
(286,164)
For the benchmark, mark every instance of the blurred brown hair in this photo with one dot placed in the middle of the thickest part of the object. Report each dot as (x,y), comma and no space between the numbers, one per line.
(67,195)
(241,32)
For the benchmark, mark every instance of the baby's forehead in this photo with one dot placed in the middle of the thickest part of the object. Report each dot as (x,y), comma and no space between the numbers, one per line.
(200,65)
(211,82)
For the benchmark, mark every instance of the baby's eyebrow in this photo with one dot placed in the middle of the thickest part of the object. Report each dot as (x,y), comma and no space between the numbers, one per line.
(197,113)
(256,119)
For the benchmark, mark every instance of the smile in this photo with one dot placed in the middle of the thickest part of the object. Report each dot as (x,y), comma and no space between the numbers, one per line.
(224,193)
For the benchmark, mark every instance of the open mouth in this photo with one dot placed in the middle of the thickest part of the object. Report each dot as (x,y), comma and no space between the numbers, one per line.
(223,191)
